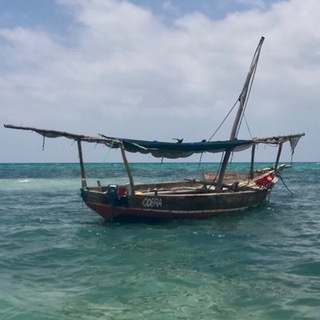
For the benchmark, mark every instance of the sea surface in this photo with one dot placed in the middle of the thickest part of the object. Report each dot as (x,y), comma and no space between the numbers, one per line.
(60,260)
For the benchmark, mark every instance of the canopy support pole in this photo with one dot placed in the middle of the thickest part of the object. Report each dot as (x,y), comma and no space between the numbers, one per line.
(278,157)
(253,150)
(126,164)
(83,175)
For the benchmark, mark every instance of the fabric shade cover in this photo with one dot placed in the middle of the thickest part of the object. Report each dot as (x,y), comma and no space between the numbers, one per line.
(172,150)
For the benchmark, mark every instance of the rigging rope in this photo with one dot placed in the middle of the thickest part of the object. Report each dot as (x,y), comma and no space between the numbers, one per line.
(223,121)
(107,152)
(221,124)
(247,125)
(247,95)
(246,103)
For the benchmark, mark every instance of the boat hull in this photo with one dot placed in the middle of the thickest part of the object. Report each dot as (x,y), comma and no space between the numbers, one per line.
(172,206)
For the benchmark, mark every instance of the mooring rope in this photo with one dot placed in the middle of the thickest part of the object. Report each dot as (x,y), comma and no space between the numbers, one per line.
(285,185)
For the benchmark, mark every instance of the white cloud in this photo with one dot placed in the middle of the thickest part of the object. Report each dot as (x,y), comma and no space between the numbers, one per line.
(121,71)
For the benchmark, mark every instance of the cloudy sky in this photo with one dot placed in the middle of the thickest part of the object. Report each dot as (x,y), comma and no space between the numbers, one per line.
(151,69)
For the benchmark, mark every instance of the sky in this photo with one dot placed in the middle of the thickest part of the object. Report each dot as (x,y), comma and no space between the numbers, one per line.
(158,70)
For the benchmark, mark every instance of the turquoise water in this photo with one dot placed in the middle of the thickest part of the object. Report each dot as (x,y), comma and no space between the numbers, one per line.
(59,260)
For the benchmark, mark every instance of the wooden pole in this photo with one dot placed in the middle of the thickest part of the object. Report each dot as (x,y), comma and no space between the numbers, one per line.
(83,175)
(278,157)
(223,170)
(253,150)
(126,164)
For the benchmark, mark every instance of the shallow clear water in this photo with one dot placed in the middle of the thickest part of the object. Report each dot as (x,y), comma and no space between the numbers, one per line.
(59,260)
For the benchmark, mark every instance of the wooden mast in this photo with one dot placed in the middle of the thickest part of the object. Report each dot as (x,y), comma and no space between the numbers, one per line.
(237,121)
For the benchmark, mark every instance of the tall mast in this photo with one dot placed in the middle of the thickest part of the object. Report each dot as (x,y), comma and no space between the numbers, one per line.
(237,121)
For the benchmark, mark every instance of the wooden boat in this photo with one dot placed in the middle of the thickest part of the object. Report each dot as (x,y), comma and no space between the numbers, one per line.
(198,198)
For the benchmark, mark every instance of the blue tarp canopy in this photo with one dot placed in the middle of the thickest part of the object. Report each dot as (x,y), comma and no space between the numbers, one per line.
(170,150)
(158,149)
(177,149)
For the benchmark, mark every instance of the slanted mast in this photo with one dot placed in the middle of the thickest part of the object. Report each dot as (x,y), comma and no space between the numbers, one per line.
(242,103)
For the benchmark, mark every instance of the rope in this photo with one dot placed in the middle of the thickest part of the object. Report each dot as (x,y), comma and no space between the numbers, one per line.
(223,121)
(247,99)
(247,125)
(200,162)
(291,157)
(107,153)
(226,117)
(285,185)
(199,165)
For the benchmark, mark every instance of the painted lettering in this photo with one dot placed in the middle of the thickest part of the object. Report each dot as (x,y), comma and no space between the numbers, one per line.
(153,202)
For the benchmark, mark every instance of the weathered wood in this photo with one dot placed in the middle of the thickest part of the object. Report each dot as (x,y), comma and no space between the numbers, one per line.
(126,164)
(252,161)
(83,175)
(278,156)
(173,206)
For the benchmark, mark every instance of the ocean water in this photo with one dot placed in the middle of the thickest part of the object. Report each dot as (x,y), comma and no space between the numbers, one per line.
(60,260)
